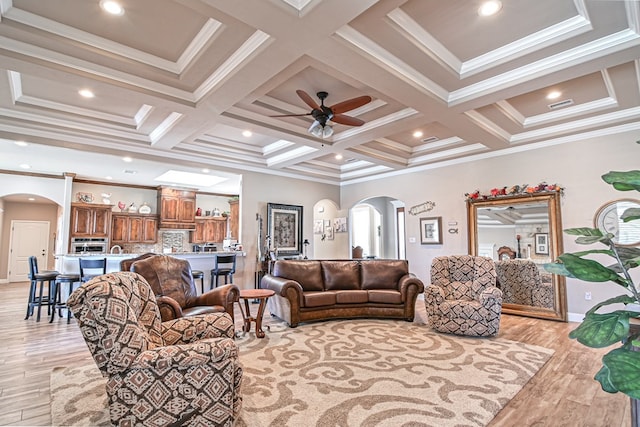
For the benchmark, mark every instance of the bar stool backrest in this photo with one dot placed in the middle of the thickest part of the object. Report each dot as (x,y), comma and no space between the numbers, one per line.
(96,267)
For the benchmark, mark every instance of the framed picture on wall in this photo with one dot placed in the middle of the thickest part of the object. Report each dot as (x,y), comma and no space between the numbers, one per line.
(318,226)
(329,232)
(431,231)
(340,225)
(542,243)
(285,228)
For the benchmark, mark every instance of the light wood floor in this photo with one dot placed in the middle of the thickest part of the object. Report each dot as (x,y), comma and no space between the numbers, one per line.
(563,393)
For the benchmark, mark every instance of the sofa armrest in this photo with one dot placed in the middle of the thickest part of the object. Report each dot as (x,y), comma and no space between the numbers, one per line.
(194,328)
(410,285)
(169,308)
(284,287)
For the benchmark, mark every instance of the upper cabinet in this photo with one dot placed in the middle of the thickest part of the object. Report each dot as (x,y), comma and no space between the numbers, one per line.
(234,218)
(90,220)
(209,230)
(134,228)
(177,208)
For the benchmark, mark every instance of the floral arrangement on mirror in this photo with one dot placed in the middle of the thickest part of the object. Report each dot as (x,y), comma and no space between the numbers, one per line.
(516,190)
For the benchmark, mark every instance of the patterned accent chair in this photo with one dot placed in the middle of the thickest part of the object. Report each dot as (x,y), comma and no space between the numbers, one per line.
(521,283)
(176,293)
(181,372)
(462,298)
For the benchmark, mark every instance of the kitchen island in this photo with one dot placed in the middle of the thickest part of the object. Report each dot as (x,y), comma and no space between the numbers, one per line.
(204,261)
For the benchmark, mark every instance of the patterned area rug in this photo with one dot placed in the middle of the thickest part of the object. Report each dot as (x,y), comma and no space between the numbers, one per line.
(349,373)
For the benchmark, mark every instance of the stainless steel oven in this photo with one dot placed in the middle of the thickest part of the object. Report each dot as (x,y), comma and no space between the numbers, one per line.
(96,245)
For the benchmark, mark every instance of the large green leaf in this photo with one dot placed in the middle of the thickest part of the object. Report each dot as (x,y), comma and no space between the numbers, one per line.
(623,374)
(620,299)
(623,181)
(630,214)
(603,376)
(557,268)
(602,330)
(589,270)
(583,231)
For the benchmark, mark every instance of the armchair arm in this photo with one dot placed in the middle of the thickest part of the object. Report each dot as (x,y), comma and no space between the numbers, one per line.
(194,328)
(169,308)
(490,296)
(222,295)
(186,355)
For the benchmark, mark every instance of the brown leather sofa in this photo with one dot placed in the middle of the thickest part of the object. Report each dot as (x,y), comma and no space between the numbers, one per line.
(313,290)
(176,294)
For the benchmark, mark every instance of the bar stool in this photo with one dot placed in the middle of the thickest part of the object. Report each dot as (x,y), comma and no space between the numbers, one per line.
(92,264)
(56,293)
(225,265)
(199,274)
(36,288)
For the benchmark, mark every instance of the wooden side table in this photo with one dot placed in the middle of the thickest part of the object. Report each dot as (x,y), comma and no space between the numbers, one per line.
(260,294)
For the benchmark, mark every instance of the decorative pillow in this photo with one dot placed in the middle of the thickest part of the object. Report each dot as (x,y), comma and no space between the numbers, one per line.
(383,275)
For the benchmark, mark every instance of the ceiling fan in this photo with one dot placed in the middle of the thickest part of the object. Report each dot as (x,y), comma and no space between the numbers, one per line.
(322,114)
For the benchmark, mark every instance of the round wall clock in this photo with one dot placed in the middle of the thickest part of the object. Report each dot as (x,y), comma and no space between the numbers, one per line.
(607,220)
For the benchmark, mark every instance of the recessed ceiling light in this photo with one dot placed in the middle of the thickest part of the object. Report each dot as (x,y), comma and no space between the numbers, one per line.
(112,7)
(338,156)
(86,93)
(25,166)
(130,171)
(489,8)
(21,143)
(31,199)
(108,177)
(205,170)
(127,159)
(189,178)
(417,134)
(554,95)
(247,133)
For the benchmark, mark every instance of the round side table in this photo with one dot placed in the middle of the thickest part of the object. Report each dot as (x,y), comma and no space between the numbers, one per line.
(260,294)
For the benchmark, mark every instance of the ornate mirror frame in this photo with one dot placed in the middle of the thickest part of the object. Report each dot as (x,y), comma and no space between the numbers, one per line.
(552,200)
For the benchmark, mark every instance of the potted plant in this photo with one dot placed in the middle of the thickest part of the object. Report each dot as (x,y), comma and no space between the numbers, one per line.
(602,328)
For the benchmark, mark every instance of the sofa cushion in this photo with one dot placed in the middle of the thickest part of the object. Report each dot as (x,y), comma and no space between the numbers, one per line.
(341,275)
(319,299)
(307,273)
(383,274)
(385,296)
(352,297)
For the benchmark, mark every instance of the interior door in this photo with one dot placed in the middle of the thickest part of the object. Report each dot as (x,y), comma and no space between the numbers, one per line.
(27,238)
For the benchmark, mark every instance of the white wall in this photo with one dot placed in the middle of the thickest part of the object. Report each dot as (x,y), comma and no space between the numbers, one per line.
(576,166)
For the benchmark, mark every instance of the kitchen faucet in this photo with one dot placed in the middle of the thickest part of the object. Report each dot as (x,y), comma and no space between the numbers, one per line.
(116,247)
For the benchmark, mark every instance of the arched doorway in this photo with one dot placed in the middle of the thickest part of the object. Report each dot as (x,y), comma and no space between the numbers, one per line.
(377,225)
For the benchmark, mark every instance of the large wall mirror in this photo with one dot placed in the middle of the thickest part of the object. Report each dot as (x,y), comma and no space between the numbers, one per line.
(521,234)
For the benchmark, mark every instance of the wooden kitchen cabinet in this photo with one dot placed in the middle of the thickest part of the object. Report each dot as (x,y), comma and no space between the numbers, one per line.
(234,218)
(209,230)
(134,228)
(90,220)
(177,208)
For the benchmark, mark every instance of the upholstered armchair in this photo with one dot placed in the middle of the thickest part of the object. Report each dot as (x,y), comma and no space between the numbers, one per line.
(172,283)
(521,283)
(181,372)
(462,298)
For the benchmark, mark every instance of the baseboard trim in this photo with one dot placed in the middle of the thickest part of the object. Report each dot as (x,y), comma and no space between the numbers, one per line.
(575,317)
(4,281)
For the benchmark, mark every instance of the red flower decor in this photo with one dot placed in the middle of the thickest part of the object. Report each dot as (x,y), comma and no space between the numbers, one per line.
(543,187)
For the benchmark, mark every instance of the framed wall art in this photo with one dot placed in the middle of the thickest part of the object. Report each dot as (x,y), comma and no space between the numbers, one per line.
(542,243)
(340,224)
(431,231)
(318,226)
(284,223)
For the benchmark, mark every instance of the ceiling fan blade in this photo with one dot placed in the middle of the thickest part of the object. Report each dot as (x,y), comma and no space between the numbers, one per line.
(291,115)
(350,104)
(307,99)
(347,120)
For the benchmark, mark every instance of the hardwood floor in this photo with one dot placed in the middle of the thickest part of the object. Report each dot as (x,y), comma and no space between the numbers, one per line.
(563,393)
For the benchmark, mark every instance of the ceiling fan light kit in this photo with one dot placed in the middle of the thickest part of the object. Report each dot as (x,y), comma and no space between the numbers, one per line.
(322,114)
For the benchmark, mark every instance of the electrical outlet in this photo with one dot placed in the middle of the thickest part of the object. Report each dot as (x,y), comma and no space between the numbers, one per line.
(587,296)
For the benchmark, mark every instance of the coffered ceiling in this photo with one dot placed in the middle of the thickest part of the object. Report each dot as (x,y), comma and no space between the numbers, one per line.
(176,83)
